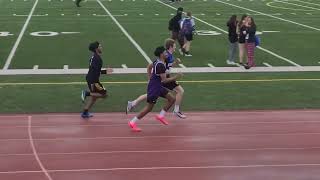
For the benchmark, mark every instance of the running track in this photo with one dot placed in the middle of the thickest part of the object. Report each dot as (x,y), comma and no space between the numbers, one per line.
(239,145)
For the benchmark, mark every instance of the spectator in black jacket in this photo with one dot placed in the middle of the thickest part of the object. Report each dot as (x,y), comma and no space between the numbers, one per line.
(233,39)
(174,27)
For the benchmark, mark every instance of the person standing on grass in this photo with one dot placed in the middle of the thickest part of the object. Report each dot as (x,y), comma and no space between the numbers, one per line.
(233,39)
(250,31)
(242,39)
(96,89)
(174,27)
(173,85)
(155,89)
(187,29)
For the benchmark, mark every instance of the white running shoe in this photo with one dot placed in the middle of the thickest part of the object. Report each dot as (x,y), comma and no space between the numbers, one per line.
(129,107)
(180,115)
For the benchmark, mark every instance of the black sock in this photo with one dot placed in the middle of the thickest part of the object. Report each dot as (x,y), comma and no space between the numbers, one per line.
(87,93)
(85,110)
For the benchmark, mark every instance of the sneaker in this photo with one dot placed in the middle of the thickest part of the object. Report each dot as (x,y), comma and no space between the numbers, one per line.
(188,55)
(181,52)
(129,107)
(180,115)
(83,95)
(134,127)
(162,119)
(86,115)
(230,62)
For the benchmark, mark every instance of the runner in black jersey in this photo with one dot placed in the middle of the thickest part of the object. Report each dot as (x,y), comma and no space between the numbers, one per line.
(96,89)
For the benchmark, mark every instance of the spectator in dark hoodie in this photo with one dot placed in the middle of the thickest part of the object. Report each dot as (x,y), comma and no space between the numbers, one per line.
(233,39)
(174,27)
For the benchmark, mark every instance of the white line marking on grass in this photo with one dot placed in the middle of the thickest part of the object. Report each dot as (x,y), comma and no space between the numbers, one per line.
(309,13)
(78,14)
(266,64)
(43,169)
(16,44)
(62,14)
(141,14)
(70,32)
(307,2)
(124,66)
(278,56)
(36,67)
(32,15)
(210,65)
(297,5)
(156,14)
(126,33)
(222,30)
(183,66)
(293,13)
(299,24)
(65,67)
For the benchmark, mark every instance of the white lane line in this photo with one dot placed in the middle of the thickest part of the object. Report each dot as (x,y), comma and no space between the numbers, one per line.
(16,44)
(126,33)
(210,65)
(44,170)
(36,67)
(124,66)
(275,17)
(297,5)
(222,30)
(307,2)
(266,64)
(172,167)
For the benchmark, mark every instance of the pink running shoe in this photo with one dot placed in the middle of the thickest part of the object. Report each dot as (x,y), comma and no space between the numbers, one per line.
(162,119)
(134,127)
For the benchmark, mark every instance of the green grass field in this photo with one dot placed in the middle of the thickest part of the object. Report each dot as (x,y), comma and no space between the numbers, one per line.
(290,35)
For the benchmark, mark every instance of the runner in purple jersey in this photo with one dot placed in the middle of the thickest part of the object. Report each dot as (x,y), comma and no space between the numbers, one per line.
(155,89)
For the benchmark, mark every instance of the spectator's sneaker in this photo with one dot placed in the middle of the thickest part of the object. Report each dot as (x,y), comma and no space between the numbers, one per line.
(230,62)
(180,115)
(162,119)
(129,107)
(134,127)
(188,55)
(83,95)
(181,52)
(86,115)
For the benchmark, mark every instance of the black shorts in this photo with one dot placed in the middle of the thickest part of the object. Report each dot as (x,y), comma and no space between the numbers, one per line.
(189,37)
(152,98)
(171,85)
(97,88)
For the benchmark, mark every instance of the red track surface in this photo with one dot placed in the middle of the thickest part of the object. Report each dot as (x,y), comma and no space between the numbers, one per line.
(255,145)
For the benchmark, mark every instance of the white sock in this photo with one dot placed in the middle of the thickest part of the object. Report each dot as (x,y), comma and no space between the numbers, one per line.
(176,108)
(134,120)
(134,102)
(162,113)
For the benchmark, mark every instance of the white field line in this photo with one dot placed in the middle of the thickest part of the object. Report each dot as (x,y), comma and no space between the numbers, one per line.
(35,151)
(174,70)
(297,5)
(303,25)
(16,44)
(307,2)
(126,33)
(222,30)
(32,15)
(210,65)
(266,64)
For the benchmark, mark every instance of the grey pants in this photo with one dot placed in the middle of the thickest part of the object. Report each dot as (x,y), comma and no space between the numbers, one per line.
(232,51)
